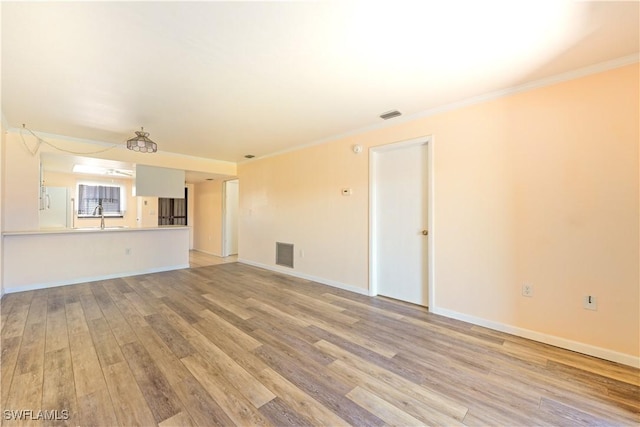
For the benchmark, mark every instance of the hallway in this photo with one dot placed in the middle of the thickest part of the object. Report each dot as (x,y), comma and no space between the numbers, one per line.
(202,259)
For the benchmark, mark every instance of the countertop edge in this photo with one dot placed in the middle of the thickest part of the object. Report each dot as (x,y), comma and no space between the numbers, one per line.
(92,230)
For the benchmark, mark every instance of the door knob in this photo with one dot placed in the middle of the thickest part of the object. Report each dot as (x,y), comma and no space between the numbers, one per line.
(425,232)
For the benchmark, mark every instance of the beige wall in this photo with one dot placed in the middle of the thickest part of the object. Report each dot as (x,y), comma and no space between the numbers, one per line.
(539,187)
(22,175)
(296,198)
(207,218)
(147,214)
(2,143)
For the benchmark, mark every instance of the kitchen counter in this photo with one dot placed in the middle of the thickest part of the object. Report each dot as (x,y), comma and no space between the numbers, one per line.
(39,259)
(91,229)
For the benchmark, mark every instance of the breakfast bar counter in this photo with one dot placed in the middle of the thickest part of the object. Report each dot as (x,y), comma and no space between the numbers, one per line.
(37,259)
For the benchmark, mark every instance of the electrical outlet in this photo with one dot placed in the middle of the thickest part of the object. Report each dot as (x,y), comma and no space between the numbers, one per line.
(590,303)
(527,290)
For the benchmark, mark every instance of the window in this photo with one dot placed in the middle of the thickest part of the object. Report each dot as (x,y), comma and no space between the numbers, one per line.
(89,196)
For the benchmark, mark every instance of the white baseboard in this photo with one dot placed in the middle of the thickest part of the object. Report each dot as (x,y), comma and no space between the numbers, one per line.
(47,285)
(602,353)
(599,352)
(305,276)
(207,252)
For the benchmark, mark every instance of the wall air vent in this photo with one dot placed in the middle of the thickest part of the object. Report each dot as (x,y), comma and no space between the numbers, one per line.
(390,114)
(284,254)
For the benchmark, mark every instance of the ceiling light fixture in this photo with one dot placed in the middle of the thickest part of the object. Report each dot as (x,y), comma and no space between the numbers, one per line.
(142,143)
(99,170)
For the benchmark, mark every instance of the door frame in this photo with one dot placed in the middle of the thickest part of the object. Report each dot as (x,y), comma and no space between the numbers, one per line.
(225,214)
(373,238)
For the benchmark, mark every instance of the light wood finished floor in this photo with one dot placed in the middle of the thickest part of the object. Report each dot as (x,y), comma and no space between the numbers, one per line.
(201,259)
(235,345)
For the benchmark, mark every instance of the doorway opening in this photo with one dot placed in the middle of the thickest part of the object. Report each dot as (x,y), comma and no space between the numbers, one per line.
(231,200)
(173,211)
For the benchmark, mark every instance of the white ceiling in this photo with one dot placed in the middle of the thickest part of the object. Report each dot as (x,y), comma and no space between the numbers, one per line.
(225,79)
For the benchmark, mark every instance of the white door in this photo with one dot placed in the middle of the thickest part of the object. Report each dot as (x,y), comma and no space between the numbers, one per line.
(400,221)
(231,201)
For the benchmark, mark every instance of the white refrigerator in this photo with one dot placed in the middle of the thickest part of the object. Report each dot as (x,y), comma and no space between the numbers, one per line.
(55,207)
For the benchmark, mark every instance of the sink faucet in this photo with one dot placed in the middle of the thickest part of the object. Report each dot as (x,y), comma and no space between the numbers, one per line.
(100,211)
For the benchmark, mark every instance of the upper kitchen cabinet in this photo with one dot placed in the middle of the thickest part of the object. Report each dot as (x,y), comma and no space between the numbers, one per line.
(159,182)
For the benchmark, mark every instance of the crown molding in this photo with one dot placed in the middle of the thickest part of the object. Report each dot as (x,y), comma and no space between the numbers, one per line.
(547,81)
(536,84)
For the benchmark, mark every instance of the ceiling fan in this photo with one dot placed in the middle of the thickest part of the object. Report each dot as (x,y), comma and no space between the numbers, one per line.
(99,170)
(119,172)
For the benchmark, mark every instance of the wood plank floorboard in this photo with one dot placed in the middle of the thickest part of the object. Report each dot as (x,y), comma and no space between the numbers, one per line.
(202,259)
(223,343)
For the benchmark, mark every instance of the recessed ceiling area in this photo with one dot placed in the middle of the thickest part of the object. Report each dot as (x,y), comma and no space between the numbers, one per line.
(223,79)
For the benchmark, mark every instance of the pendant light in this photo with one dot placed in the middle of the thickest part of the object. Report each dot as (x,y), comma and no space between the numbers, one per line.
(142,143)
